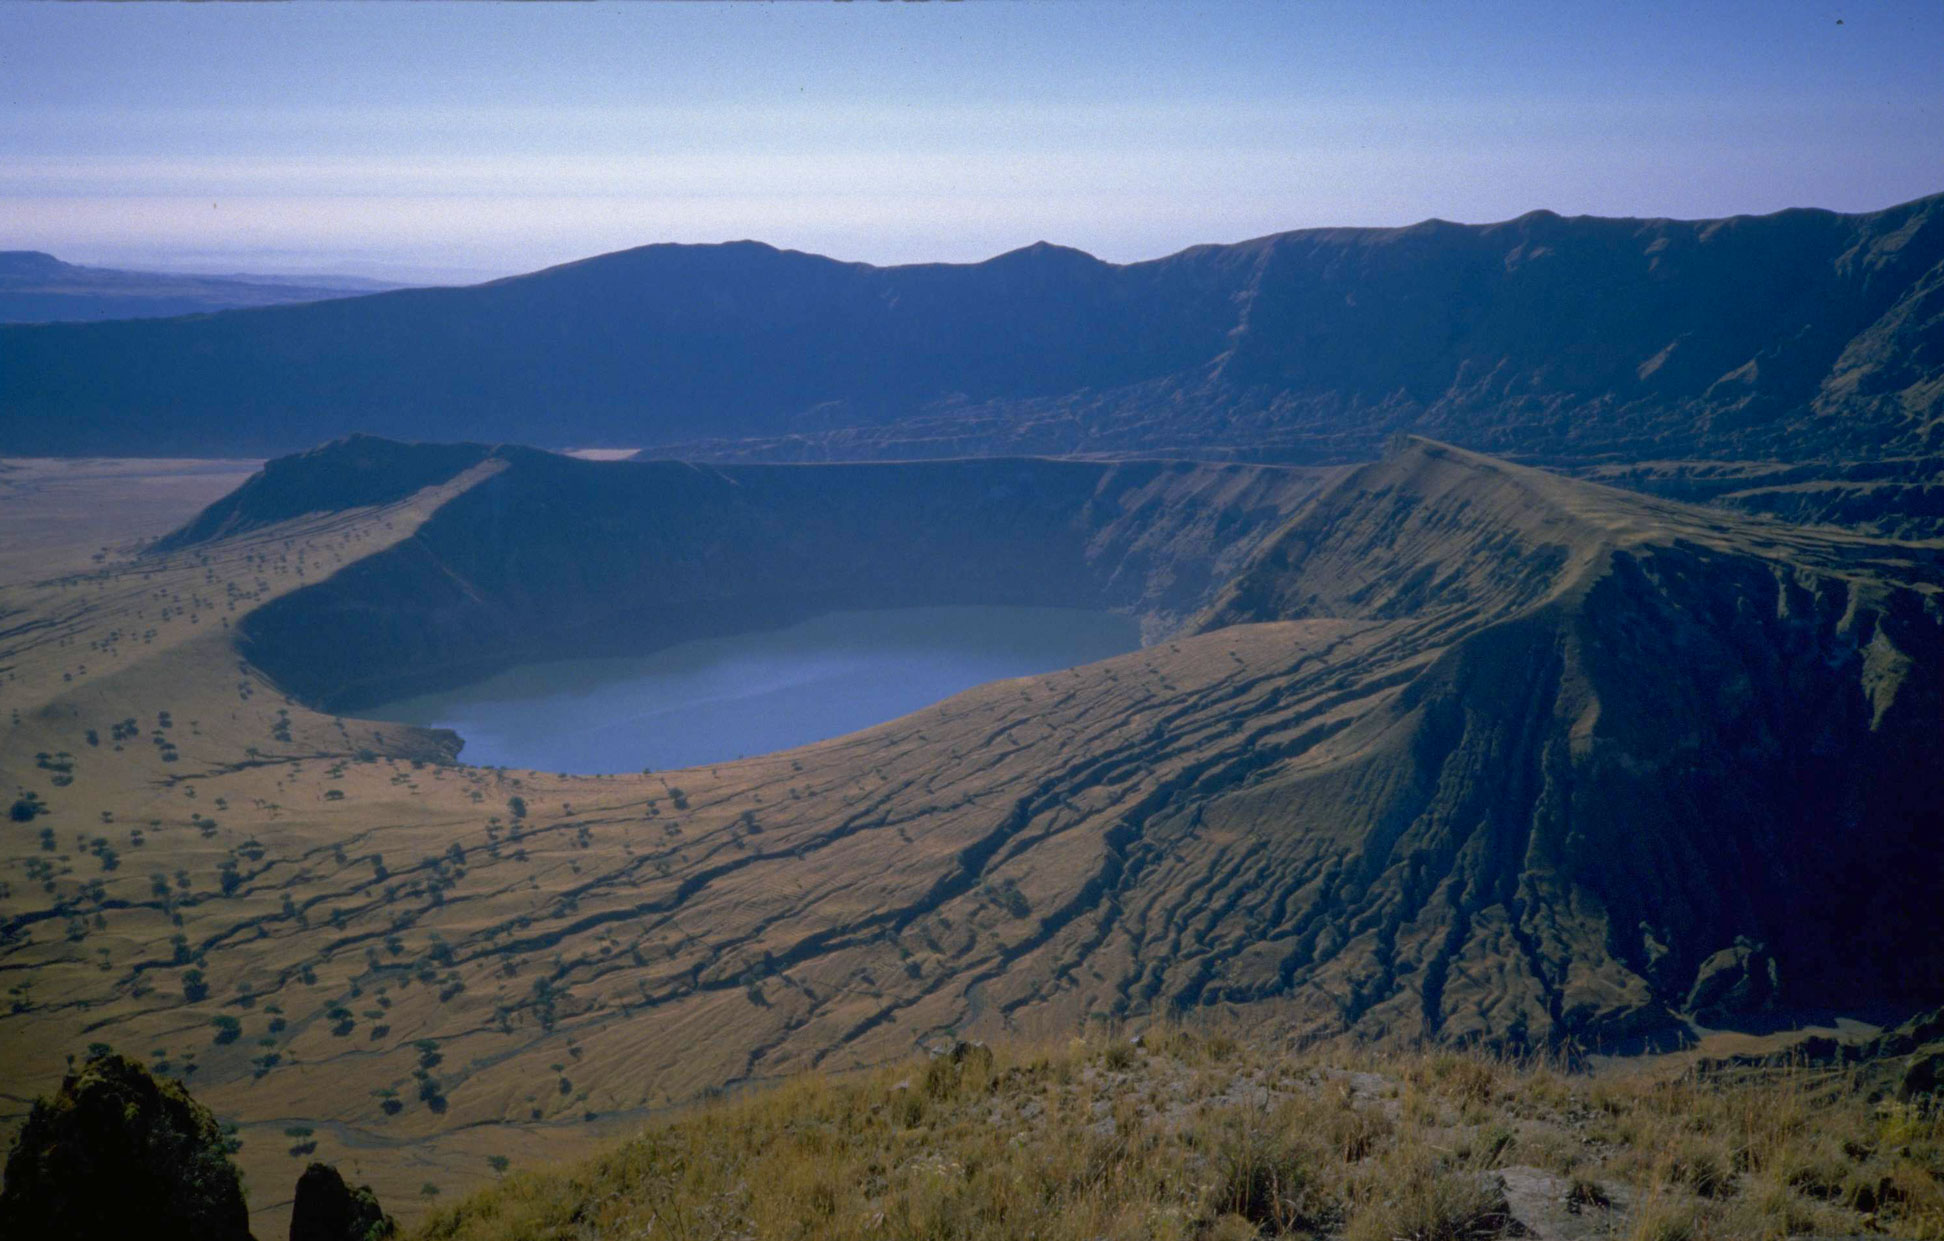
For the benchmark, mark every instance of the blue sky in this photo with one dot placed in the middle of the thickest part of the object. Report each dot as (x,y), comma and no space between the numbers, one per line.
(427,141)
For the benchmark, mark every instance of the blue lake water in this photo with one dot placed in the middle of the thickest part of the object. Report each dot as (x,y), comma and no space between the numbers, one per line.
(724,698)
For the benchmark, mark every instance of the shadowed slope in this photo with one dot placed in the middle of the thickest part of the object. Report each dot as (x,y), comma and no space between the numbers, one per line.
(352,472)
(1802,335)
(555,556)
(1643,735)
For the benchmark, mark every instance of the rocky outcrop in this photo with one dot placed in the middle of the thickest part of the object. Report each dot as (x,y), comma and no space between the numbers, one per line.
(327,1209)
(1905,1062)
(117,1153)
(1742,978)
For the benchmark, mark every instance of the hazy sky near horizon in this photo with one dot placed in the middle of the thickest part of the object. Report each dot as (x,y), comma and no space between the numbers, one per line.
(457,141)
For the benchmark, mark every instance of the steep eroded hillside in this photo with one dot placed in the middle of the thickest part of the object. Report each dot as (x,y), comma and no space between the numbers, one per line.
(1448,748)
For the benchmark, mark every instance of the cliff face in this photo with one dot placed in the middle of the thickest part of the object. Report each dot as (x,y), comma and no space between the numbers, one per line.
(1635,741)
(1439,746)
(1773,780)
(1803,335)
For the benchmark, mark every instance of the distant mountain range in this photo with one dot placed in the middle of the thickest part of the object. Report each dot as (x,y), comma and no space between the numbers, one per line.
(1800,335)
(39,288)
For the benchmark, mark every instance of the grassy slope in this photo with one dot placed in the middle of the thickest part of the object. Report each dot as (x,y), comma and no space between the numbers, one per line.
(361,849)
(62,513)
(1165,826)
(1201,1135)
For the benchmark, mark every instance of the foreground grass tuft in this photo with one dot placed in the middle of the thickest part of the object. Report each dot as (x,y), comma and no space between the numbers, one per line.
(1192,1135)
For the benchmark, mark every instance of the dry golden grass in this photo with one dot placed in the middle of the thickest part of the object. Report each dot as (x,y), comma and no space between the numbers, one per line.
(212,850)
(66,516)
(1190,1134)
(430,981)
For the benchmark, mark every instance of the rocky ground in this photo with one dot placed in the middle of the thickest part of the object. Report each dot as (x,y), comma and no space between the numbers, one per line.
(1179,1134)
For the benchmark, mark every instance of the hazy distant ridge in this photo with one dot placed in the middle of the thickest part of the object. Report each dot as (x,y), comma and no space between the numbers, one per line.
(39,288)
(1799,334)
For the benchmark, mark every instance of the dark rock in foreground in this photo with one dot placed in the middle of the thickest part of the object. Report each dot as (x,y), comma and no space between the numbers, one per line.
(117,1154)
(327,1209)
